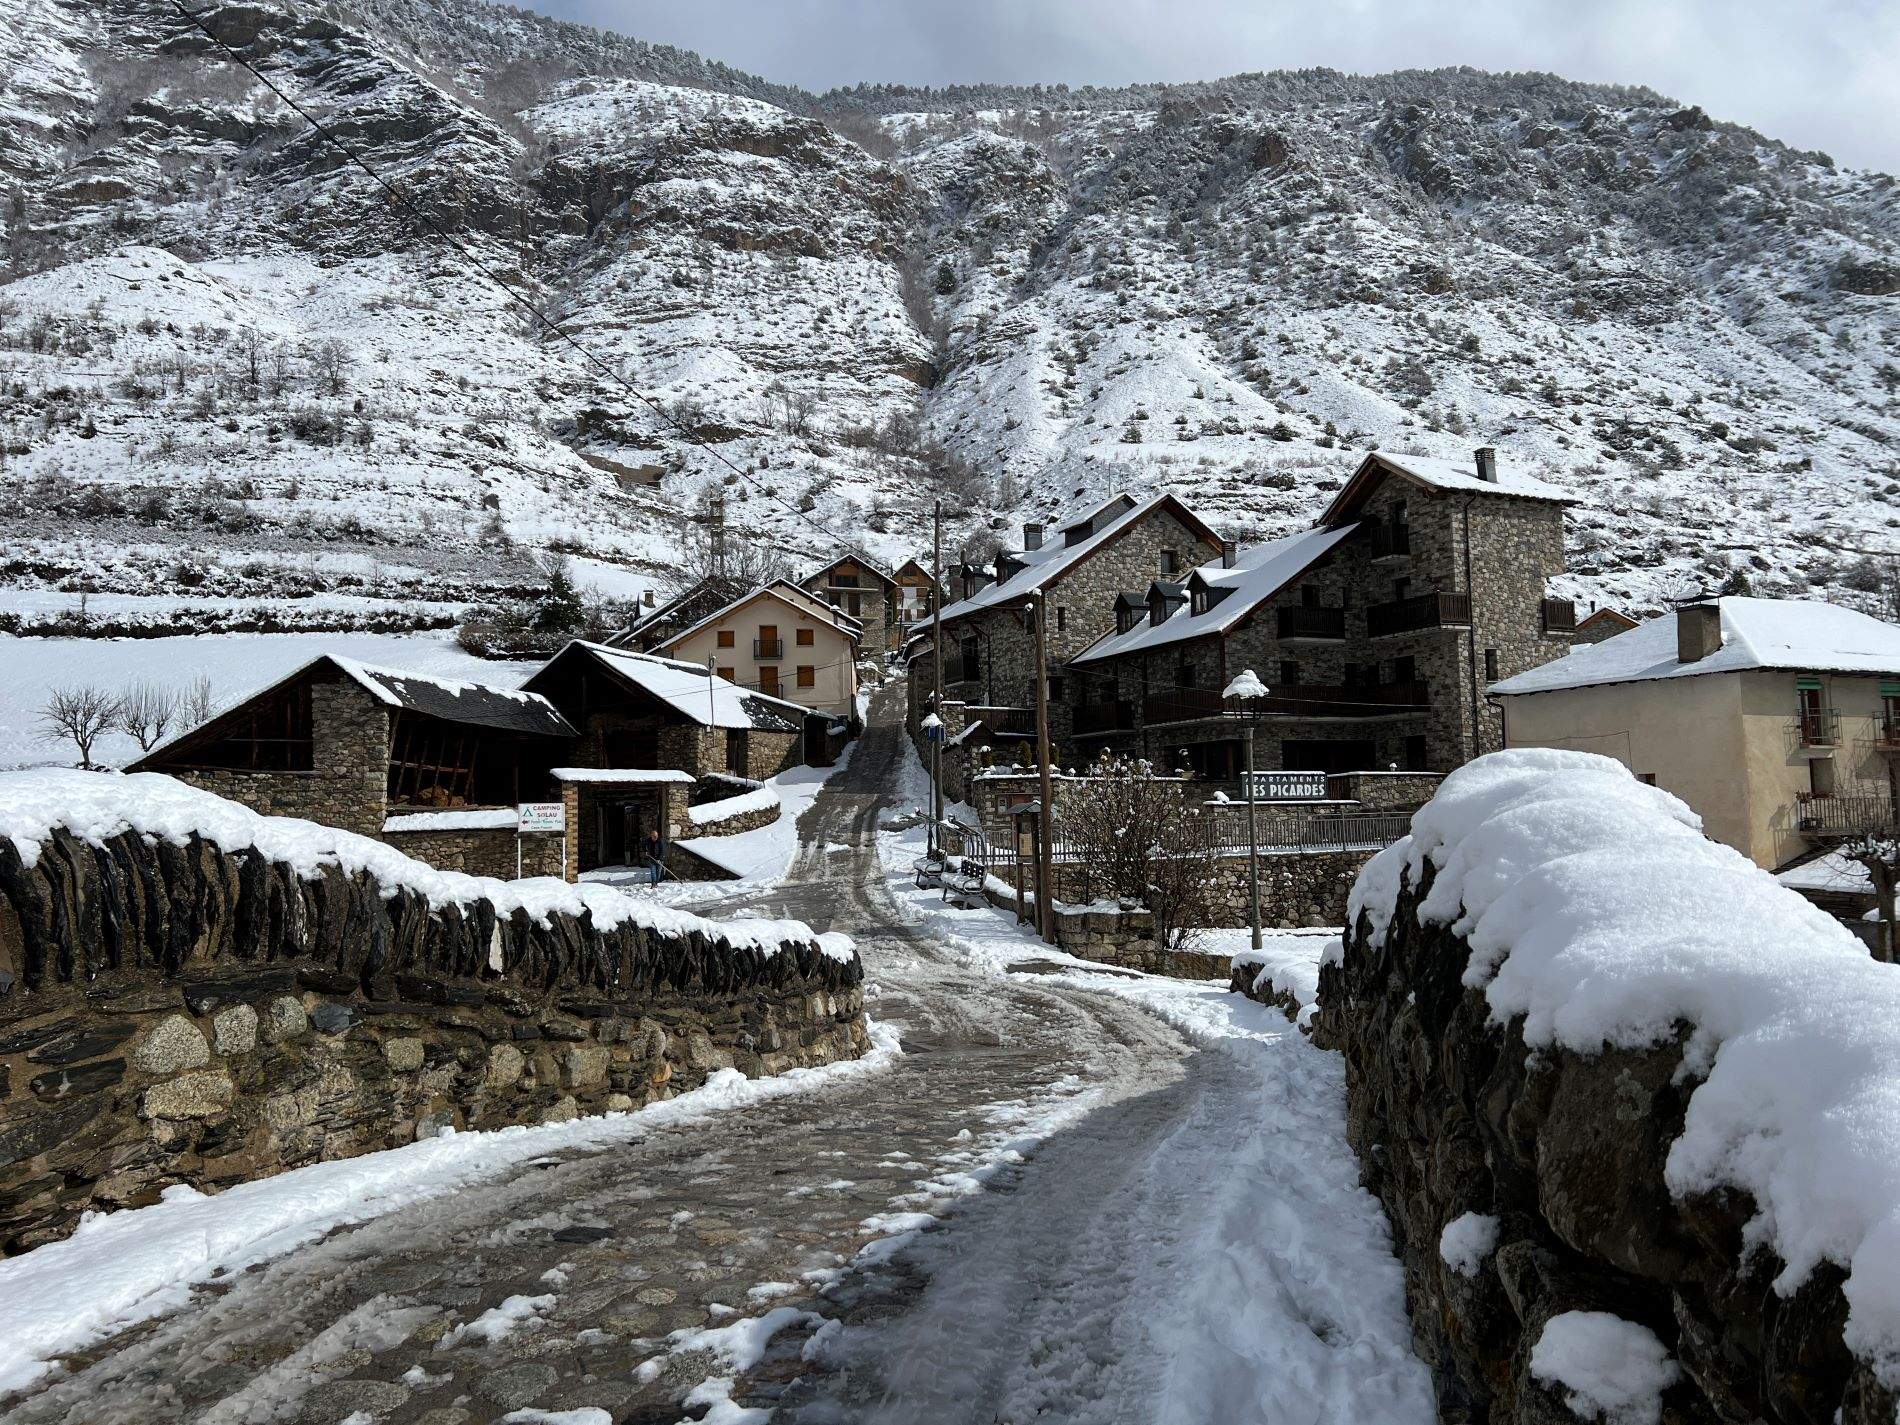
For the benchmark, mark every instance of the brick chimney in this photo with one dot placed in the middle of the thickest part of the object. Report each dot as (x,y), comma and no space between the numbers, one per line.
(1698,631)
(1229,552)
(1488,464)
(1032,537)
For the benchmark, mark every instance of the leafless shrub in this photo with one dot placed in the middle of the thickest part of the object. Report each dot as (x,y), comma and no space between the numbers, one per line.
(146,710)
(1140,839)
(79,714)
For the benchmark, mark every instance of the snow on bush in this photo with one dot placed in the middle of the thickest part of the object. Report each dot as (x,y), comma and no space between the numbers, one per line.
(1610,1369)
(96,806)
(1467,1241)
(726,808)
(1598,914)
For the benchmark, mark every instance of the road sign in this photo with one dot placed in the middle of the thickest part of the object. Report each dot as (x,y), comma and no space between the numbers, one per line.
(542,816)
(1289,786)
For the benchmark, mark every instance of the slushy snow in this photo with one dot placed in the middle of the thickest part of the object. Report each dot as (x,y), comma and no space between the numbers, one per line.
(1609,1369)
(1598,914)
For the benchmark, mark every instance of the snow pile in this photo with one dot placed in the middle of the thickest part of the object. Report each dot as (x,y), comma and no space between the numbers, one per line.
(1247,685)
(1610,1369)
(1598,913)
(728,808)
(97,806)
(1466,1241)
(472,819)
(1288,961)
(499,1321)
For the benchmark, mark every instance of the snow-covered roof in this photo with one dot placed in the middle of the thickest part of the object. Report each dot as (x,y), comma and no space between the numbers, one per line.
(1057,555)
(817,604)
(1830,871)
(1260,571)
(1439,474)
(473,704)
(689,689)
(1796,634)
(622,776)
(852,556)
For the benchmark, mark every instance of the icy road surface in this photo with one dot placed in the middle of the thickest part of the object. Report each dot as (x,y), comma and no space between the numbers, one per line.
(1076,1197)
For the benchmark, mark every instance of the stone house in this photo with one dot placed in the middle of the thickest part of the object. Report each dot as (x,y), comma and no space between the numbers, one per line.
(432,766)
(1776,720)
(917,596)
(783,641)
(989,648)
(858,588)
(1373,630)
(1603,623)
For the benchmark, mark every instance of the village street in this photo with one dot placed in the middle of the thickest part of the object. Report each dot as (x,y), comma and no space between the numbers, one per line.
(993,1227)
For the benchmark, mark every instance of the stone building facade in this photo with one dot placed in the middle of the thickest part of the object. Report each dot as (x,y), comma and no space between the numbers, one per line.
(857,588)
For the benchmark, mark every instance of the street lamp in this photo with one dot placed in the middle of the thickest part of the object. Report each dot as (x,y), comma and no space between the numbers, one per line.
(1248,692)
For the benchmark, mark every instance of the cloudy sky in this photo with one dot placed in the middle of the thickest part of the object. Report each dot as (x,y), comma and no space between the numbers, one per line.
(1823,74)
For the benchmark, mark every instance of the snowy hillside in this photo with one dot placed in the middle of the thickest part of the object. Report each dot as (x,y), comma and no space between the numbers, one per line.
(234,373)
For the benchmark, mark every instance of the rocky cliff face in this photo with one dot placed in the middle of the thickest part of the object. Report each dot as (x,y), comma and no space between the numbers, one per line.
(1524,1187)
(1014,297)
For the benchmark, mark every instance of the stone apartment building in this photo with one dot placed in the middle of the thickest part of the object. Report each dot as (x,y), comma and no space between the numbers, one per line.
(1077,568)
(1375,630)
(859,589)
(917,598)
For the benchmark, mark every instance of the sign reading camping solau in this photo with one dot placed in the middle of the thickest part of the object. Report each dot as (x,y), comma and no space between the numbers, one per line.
(1289,786)
(542,816)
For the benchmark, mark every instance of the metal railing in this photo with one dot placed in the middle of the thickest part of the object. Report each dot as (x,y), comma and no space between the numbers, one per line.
(1390,541)
(1826,817)
(1559,616)
(1183,705)
(1887,733)
(1438,609)
(1818,727)
(1301,621)
(1315,700)
(768,648)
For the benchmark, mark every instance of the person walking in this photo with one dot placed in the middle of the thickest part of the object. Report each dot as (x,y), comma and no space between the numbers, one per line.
(655,848)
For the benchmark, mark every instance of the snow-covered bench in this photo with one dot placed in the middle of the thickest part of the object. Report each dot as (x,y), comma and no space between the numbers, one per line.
(964,884)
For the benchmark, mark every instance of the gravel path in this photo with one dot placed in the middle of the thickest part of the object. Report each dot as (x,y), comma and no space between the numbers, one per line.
(559,1288)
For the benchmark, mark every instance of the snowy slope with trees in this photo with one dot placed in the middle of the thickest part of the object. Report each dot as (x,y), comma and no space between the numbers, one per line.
(233,369)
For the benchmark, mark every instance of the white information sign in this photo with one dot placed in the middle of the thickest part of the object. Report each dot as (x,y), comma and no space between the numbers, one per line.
(542,816)
(1289,786)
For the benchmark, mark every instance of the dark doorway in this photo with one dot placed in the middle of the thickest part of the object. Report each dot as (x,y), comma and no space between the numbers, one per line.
(1342,756)
(621,824)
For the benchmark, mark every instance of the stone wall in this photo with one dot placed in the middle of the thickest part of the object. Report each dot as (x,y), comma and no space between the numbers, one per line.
(1449,1113)
(1126,938)
(1297,889)
(480,851)
(178,1013)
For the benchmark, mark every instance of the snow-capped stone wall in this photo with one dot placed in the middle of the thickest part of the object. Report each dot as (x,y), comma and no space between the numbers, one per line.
(191,992)
(1633,1110)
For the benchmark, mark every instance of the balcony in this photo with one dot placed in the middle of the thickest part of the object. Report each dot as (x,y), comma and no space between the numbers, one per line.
(768,649)
(1391,542)
(1005,722)
(1095,718)
(1559,617)
(1887,733)
(959,670)
(1421,611)
(1823,817)
(1817,727)
(1312,624)
(1293,700)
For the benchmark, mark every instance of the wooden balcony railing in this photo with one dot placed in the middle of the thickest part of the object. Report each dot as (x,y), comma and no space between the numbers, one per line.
(1560,616)
(1314,700)
(1391,541)
(1434,610)
(1302,622)
(1005,722)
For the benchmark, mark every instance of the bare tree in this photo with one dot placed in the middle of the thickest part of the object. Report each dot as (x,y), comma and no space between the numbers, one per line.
(1140,839)
(79,714)
(330,359)
(145,711)
(195,703)
(1879,855)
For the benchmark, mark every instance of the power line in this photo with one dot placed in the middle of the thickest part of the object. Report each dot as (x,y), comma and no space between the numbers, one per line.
(520,300)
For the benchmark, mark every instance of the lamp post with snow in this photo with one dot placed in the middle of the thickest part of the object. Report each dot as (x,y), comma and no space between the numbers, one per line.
(1247,693)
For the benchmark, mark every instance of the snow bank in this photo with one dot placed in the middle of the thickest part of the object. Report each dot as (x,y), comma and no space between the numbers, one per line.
(1609,1369)
(97,806)
(1599,915)
(727,808)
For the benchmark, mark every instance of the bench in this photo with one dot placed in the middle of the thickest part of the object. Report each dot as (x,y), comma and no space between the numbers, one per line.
(930,871)
(964,886)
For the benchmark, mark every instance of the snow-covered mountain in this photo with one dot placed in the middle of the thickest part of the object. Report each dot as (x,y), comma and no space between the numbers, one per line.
(233,369)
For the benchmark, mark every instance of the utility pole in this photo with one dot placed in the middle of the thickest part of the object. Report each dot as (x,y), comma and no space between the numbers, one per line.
(1045,851)
(1253,839)
(936,701)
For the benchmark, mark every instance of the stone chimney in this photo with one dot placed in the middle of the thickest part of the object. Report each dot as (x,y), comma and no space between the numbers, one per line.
(648,598)
(1698,631)
(1032,537)
(1488,464)
(1229,552)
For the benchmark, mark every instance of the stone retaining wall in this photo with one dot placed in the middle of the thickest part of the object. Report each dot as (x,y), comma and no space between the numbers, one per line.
(1449,1113)
(480,851)
(179,1013)
(1127,938)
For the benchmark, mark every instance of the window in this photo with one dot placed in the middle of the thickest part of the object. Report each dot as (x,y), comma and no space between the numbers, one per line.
(735,751)
(726,673)
(1401,588)
(1398,514)
(1062,618)
(1402,670)
(1490,665)
(1170,561)
(804,638)
(856,605)
(807,676)
(1648,779)
(1309,596)
(1055,690)
(1184,673)
(768,679)
(768,645)
(724,638)
(969,670)
(1289,672)
(1821,776)
(1415,753)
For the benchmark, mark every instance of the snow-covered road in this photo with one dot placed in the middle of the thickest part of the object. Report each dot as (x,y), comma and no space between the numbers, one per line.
(1076,1196)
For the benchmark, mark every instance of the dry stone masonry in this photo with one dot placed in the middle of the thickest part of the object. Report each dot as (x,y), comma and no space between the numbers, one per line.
(174,1012)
